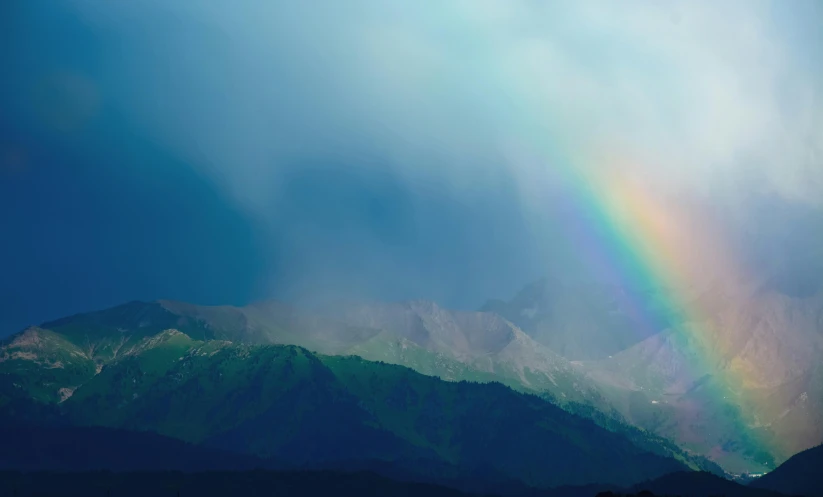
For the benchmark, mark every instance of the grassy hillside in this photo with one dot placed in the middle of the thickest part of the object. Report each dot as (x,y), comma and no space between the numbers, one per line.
(50,364)
(286,402)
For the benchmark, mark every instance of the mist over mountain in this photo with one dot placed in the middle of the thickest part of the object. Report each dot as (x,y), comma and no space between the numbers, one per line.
(586,320)
(742,377)
(661,385)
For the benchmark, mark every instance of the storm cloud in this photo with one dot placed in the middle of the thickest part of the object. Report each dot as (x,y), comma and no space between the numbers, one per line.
(438,128)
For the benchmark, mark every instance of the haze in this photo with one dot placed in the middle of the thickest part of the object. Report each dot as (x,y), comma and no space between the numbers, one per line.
(231,152)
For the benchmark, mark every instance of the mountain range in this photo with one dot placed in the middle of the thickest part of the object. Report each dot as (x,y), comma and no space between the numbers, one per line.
(285,402)
(262,379)
(738,378)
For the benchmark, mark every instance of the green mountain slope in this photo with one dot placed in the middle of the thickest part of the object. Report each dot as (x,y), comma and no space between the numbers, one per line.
(477,347)
(420,335)
(288,403)
(42,365)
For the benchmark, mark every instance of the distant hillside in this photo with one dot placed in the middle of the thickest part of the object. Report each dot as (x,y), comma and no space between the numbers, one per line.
(732,368)
(580,320)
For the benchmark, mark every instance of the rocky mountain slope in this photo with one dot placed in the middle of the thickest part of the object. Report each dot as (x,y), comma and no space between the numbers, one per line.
(732,369)
(580,320)
(421,335)
(746,381)
(484,342)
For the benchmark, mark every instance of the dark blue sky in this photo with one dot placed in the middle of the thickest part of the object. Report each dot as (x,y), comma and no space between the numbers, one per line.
(81,233)
(104,216)
(95,212)
(107,216)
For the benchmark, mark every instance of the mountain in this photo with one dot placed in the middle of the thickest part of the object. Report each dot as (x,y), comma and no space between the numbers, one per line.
(653,386)
(43,365)
(285,402)
(580,320)
(483,344)
(800,475)
(451,345)
(744,384)
(455,346)
(728,365)
(421,335)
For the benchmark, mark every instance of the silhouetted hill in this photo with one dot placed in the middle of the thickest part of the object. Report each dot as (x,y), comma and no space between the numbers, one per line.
(214,484)
(678,484)
(699,484)
(326,483)
(802,474)
(71,448)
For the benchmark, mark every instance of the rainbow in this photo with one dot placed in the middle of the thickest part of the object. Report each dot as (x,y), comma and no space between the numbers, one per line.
(637,239)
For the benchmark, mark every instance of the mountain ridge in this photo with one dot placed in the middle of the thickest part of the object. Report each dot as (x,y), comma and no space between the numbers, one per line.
(284,401)
(452,345)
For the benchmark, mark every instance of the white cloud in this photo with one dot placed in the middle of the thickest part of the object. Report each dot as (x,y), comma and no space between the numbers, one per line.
(689,95)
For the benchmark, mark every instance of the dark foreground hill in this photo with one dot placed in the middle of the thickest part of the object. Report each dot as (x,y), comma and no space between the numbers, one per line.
(323,483)
(214,484)
(800,475)
(72,449)
(700,484)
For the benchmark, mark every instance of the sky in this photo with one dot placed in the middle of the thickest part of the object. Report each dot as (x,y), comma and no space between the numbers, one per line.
(221,153)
